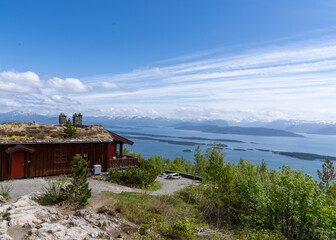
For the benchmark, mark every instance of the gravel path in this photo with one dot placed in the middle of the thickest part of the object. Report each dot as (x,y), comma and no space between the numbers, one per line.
(22,187)
(170,186)
(101,186)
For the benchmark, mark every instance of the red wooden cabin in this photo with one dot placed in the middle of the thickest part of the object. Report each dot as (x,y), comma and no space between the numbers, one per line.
(32,156)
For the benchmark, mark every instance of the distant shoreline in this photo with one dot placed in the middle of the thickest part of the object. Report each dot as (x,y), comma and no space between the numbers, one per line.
(187,138)
(155,137)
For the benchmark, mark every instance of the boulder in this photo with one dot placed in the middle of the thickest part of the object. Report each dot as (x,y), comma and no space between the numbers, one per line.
(27,219)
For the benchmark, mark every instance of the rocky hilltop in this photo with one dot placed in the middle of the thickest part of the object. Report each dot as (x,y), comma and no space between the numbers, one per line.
(26,219)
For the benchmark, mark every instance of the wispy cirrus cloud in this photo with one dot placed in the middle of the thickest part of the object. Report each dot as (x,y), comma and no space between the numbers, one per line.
(293,81)
(263,84)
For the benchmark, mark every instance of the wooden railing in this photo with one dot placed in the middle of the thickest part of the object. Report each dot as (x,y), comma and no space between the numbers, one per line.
(123,162)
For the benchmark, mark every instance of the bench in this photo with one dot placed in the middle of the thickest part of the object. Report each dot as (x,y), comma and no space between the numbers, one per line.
(173,176)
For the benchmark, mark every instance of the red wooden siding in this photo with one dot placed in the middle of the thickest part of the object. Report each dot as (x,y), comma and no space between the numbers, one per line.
(42,161)
(4,163)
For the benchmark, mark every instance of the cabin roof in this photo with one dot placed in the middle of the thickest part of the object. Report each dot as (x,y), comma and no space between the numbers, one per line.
(121,139)
(38,133)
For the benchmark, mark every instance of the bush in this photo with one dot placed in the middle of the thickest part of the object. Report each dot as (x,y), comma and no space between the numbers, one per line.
(54,192)
(141,177)
(264,234)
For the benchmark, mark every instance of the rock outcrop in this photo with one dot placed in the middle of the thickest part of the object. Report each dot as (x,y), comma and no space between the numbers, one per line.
(26,219)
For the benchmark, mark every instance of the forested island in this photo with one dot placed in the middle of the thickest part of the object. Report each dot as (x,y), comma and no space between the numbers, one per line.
(300,155)
(255,131)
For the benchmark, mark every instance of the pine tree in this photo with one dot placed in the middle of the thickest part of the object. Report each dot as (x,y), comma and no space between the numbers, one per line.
(69,129)
(327,175)
(201,163)
(79,191)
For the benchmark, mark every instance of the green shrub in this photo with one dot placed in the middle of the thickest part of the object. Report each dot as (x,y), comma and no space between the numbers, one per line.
(183,225)
(264,234)
(285,201)
(54,192)
(5,191)
(182,228)
(141,177)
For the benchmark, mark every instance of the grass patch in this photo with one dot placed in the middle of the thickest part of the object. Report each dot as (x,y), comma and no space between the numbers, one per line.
(168,215)
(155,186)
(54,192)
(5,191)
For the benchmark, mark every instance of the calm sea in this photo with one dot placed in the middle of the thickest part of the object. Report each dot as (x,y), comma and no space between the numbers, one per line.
(311,143)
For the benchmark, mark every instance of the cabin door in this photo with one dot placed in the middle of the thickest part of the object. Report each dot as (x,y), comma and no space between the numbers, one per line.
(18,164)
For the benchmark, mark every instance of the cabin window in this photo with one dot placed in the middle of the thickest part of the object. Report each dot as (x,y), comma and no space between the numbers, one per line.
(83,152)
(60,155)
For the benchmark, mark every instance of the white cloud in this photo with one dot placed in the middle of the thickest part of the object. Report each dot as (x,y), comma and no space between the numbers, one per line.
(67,85)
(63,100)
(25,90)
(14,82)
(109,85)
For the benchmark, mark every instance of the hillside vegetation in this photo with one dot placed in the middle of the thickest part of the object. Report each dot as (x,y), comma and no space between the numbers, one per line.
(257,202)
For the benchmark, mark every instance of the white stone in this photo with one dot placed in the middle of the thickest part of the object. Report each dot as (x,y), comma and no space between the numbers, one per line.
(32,215)
(3,227)
(5,237)
(67,229)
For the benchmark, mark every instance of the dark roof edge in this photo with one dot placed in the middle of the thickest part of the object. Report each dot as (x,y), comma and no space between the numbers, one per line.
(18,148)
(120,138)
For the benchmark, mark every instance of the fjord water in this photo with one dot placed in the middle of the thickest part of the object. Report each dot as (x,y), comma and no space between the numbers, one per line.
(310,143)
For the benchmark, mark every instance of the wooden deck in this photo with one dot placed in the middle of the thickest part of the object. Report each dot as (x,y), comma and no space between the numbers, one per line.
(124,162)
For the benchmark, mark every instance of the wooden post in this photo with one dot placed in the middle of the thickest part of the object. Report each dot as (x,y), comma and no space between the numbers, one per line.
(120,150)
(108,161)
(9,176)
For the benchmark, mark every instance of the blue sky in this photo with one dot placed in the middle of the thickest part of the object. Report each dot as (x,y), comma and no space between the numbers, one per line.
(228,59)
